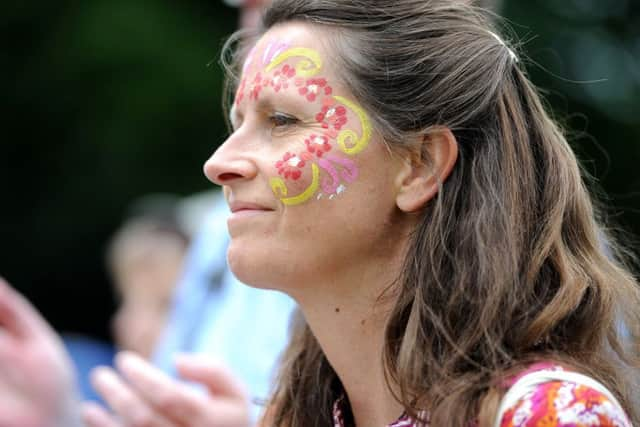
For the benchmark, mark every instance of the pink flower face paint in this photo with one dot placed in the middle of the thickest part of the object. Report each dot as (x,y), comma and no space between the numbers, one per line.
(282,78)
(313,88)
(322,166)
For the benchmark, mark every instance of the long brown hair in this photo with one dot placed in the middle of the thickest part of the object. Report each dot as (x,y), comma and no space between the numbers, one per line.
(507,266)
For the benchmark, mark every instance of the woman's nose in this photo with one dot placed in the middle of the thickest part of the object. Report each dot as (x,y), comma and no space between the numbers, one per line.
(229,163)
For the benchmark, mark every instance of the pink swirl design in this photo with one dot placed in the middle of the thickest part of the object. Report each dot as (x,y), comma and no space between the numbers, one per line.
(330,183)
(272,50)
(349,170)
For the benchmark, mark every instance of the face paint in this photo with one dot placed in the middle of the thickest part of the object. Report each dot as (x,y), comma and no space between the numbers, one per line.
(273,49)
(332,116)
(280,188)
(247,63)
(256,87)
(323,158)
(313,88)
(348,140)
(282,78)
(318,145)
(249,60)
(309,61)
(348,173)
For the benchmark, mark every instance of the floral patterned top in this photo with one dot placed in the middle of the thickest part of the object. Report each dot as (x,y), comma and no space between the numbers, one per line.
(551,404)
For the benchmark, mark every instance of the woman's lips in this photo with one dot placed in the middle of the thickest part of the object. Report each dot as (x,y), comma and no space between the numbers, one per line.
(247,206)
(241,210)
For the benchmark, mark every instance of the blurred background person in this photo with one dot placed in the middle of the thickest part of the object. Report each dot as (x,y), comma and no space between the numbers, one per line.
(145,258)
(212,313)
(250,11)
(215,315)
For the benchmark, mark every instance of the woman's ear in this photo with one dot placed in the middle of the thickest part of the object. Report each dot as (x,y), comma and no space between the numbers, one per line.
(426,169)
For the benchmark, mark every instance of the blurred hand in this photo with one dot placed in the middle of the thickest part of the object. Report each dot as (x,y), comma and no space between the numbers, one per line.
(37,385)
(141,395)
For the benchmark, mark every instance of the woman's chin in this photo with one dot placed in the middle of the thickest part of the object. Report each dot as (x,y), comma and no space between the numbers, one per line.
(265,267)
(249,268)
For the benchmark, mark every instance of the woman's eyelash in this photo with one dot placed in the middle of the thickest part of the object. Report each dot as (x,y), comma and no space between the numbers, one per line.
(282,120)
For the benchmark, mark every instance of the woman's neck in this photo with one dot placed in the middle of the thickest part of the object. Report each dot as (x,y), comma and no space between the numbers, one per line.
(348,318)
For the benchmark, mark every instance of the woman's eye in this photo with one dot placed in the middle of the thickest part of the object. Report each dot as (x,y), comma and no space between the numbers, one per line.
(280,120)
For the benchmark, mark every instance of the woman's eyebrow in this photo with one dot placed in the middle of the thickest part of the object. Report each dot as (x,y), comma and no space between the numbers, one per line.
(264,103)
(286,102)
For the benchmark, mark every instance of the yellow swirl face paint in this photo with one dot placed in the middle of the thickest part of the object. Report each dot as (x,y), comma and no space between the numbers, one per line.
(308,64)
(280,188)
(348,140)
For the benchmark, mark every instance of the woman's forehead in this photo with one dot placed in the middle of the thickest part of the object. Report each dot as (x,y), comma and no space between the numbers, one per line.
(286,43)
(292,33)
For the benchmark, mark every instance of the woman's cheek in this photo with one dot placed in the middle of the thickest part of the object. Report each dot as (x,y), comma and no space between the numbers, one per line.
(322,164)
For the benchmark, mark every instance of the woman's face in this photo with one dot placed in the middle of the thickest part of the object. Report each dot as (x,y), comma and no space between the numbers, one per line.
(309,181)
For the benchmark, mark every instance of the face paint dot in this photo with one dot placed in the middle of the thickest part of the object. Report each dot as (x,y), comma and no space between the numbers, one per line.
(318,145)
(289,166)
(340,189)
(331,115)
(295,162)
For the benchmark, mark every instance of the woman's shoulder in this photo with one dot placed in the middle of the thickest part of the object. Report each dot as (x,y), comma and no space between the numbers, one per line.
(548,394)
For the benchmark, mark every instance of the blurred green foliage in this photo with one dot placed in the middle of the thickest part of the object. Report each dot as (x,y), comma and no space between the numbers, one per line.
(105,100)
(585,55)
(108,100)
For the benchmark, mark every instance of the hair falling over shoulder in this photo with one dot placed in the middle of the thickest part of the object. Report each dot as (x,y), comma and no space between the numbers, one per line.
(511,263)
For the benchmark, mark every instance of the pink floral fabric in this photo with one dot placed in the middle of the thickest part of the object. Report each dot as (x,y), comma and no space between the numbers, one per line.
(552,404)
(564,403)
(338,417)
